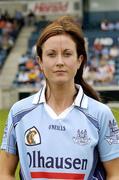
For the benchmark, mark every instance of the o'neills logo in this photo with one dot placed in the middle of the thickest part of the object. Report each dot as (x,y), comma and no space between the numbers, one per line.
(36,160)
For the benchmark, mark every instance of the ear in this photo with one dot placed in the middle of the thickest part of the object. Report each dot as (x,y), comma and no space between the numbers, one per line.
(80,59)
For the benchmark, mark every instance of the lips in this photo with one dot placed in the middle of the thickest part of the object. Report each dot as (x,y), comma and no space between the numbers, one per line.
(60,71)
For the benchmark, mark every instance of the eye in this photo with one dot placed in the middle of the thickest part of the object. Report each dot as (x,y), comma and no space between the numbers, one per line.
(67,54)
(51,54)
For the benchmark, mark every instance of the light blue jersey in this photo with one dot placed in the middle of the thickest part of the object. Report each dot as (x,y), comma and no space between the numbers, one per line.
(65,146)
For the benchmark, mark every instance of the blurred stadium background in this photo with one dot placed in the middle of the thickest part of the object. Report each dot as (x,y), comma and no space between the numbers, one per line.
(21,22)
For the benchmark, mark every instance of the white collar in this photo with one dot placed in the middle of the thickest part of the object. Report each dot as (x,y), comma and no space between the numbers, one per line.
(81,99)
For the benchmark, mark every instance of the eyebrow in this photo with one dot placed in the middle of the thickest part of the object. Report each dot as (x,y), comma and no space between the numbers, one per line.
(55,50)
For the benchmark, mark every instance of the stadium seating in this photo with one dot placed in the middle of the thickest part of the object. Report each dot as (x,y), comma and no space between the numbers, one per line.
(9,30)
(104,44)
(101,46)
(28,70)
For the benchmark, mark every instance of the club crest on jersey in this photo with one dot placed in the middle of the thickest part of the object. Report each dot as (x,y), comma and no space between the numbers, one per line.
(81,138)
(32,137)
(113,137)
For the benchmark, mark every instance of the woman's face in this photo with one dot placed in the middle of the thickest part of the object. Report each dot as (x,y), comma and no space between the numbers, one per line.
(59,59)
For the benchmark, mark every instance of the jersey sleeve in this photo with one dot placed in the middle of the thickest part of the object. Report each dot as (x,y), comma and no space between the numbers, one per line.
(108,136)
(9,137)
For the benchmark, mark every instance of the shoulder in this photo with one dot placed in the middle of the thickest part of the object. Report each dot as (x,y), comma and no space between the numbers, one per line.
(23,105)
(99,110)
(97,105)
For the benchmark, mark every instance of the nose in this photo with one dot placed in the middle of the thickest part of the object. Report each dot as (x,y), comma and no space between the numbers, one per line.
(60,61)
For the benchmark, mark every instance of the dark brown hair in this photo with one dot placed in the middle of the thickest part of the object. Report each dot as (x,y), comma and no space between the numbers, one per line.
(68,25)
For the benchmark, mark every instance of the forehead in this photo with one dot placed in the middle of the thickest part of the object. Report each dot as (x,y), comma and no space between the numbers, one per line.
(59,41)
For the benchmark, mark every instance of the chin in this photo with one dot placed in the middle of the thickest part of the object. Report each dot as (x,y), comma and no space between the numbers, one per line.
(61,82)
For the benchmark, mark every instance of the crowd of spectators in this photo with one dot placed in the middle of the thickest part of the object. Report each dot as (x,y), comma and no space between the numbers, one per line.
(101,64)
(102,53)
(9,29)
(29,72)
(100,69)
(107,25)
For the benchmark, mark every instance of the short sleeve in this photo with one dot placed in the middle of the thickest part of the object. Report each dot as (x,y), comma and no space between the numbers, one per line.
(9,137)
(108,136)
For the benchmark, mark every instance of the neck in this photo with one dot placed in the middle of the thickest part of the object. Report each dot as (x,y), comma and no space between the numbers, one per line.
(60,97)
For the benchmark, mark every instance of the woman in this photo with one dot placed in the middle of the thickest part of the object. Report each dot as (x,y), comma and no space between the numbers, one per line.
(63,131)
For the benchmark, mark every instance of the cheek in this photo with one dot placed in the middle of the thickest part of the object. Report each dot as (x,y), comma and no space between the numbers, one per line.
(44,64)
(47,63)
(76,66)
(46,68)
(73,68)
(73,64)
